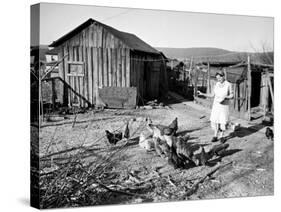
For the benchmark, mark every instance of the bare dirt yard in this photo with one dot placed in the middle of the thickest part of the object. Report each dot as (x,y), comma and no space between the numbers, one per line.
(125,173)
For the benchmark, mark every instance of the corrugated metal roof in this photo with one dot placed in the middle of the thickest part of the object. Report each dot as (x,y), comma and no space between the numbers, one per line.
(131,40)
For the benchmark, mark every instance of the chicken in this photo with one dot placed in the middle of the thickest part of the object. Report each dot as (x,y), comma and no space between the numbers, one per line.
(113,138)
(165,148)
(161,130)
(173,158)
(203,157)
(174,126)
(161,147)
(269,133)
(127,131)
(218,150)
(157,146)
(169,139)
(146,141)
(183,151)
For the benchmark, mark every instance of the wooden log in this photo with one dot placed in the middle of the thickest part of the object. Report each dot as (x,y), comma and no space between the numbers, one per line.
(249,79)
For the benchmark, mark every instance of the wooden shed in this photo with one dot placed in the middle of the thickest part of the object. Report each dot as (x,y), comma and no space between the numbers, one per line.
(99,56)
(252,84)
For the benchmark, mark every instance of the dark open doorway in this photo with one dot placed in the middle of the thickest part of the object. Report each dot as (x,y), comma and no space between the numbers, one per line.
(256,89)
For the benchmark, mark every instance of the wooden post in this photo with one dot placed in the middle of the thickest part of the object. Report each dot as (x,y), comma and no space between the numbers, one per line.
(270,87)
(53,93)
(225,73)
(265,95)
(41,111)
(195,82)
(208,79)
(249,85)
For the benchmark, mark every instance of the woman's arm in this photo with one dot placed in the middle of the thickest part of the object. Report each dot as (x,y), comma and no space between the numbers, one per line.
(230,91)
(211,95)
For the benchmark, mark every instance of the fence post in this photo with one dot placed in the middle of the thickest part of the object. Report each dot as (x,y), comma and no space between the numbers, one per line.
(208,78)
(249,84)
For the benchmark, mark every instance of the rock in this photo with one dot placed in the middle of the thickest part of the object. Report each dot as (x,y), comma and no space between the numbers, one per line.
(148,107)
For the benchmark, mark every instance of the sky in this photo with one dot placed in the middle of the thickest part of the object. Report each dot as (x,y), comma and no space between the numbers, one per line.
(161,28)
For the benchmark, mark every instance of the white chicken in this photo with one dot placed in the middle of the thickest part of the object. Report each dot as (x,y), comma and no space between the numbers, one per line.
(146,140)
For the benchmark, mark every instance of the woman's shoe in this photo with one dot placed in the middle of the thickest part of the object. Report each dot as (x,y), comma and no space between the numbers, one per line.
(214,139)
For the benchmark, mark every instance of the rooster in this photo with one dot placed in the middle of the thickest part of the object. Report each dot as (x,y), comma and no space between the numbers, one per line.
(113,138)
(269,133)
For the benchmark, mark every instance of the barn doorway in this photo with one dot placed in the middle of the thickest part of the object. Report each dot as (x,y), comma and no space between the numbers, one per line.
(256,89)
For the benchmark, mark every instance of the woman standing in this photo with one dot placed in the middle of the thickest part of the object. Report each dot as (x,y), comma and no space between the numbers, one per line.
(222,93)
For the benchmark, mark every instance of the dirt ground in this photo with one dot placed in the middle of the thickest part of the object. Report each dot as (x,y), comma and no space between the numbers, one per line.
(250,174)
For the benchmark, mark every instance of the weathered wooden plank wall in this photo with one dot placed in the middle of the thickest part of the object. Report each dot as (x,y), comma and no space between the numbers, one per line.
(107,61)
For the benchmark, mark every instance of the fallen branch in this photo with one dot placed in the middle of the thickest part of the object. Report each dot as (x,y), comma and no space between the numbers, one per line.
(120,192)
(195,186)
(170,181)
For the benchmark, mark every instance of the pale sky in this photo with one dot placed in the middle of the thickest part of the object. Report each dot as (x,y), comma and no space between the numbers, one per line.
(162,28)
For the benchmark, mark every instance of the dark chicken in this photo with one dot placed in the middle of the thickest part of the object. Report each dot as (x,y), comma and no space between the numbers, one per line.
(203,157)
(161,147)
(127,131)
(183,151)
(174,126)
(218,150)
(113,138)
(166,130)
(269,133)
(173,158)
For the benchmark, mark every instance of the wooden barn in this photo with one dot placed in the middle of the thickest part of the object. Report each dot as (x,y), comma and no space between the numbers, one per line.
(252,84)
(98,56)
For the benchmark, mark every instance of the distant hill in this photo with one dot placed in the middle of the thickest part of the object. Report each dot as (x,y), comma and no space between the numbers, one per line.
(191,52)
(213,54)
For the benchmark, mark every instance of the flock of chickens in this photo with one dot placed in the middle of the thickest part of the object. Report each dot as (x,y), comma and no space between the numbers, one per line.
(165,142)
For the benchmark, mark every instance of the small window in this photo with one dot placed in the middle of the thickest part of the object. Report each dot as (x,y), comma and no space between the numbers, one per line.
(75,68)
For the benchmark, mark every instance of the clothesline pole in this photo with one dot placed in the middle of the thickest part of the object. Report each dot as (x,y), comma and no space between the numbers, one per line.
(208,78)
(249,80)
